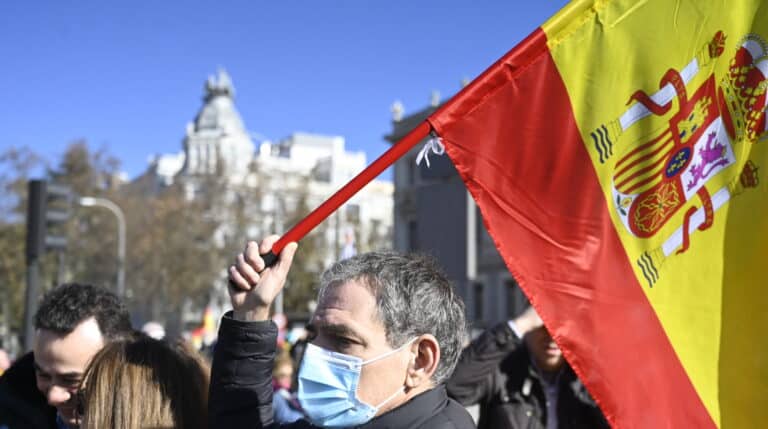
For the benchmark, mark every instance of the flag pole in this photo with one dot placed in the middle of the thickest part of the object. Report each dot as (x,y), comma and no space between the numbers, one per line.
(298,231)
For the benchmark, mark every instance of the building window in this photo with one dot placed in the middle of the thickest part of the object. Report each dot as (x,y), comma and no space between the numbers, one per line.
(353,213)
(411,168)
(477,301)
(516,300)
(413,235)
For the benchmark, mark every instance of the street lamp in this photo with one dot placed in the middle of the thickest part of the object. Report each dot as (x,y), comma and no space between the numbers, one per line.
(115,209)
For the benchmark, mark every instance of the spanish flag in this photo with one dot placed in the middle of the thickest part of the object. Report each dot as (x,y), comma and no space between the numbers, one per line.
(618,156)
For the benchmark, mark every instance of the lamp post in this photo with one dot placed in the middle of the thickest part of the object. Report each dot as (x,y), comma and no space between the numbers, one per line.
(115,209)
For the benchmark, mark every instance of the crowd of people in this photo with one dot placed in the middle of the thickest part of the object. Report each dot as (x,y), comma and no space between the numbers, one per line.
(387,348)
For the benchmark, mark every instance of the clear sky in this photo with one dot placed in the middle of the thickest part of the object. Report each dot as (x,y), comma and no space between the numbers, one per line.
(129,75)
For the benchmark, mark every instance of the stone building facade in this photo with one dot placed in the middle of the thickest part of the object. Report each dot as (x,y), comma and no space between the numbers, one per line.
(273,179)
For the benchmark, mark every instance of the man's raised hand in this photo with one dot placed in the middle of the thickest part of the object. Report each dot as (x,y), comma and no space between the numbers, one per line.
(252,287)
(528,321)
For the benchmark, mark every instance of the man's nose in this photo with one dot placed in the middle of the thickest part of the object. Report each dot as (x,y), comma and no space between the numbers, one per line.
(58,395)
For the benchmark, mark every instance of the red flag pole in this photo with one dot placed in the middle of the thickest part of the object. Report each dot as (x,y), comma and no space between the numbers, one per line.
(298,231)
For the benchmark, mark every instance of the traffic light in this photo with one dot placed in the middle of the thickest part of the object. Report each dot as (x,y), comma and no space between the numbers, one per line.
(49,205)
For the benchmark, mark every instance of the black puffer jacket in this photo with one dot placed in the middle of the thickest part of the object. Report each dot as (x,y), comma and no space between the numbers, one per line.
(21,404)
(241,387)
(495,371)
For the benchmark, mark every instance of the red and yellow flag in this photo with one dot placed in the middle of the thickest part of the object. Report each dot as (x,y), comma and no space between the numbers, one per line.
(618,156)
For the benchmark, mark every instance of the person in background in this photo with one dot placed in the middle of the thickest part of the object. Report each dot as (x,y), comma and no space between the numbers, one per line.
(73,322)
(296,352)
(5,361)
(144,383)
(518,375)
(154,330)
(284,401)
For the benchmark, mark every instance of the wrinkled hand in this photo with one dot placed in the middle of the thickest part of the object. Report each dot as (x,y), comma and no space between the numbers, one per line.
(252,288)
(528,321)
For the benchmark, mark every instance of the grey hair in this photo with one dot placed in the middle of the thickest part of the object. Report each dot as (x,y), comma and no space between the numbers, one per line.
(413,297)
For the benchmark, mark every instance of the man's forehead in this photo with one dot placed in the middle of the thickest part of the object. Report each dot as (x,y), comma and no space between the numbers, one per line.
(60,364)
(348,306)
(68,353)
(355,291)
(350,298)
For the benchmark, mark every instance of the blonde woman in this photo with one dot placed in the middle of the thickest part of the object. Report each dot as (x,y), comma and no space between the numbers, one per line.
(144,383)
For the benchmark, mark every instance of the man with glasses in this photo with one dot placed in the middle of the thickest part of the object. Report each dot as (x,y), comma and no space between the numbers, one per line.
(73,323)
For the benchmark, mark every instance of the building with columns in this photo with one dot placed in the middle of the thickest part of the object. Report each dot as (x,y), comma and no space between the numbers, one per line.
(217,140)
(273,178)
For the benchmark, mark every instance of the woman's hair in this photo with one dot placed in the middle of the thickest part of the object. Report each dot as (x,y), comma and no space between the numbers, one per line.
(145,383)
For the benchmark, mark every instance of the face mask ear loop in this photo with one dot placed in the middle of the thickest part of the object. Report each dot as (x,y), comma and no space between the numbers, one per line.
(390,353)
(397,392)
(402,389)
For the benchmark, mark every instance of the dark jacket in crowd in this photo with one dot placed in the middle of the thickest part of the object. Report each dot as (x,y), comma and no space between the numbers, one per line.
(21,404)
(241,387)
(496,372)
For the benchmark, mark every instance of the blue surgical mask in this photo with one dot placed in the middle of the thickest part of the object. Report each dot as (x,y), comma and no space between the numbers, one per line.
(328,387)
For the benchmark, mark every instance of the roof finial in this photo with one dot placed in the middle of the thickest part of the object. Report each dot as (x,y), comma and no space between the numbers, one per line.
(397,110)
(220,84)
(434,99)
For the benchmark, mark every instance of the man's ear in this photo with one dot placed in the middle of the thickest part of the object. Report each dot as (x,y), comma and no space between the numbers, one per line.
(425,356)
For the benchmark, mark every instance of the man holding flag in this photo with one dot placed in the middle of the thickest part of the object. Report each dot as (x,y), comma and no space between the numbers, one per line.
(386,334)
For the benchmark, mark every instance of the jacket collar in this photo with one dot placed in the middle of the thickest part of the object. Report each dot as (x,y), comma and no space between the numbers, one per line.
(413,413)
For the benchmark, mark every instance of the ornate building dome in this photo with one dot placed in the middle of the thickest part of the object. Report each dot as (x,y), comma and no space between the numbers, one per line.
(217,142)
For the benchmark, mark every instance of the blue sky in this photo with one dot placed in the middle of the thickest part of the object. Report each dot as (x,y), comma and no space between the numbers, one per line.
(129,75)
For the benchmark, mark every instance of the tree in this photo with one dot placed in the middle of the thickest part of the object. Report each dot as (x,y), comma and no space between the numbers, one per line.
(304,276)
(90,256)
(252,211)
(16,167)
(171,257)
(178,248)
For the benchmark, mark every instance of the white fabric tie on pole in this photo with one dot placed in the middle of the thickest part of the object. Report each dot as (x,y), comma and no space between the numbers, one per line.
(434,145)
